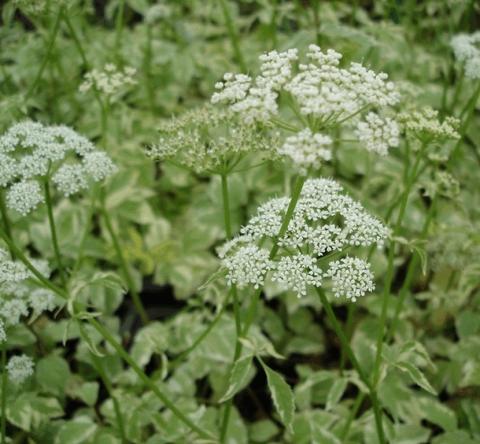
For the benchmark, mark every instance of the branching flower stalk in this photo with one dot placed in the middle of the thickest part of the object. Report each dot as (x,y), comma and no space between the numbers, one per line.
(256,295)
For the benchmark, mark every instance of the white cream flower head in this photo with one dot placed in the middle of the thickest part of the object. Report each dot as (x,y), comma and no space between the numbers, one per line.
(207,139)
(20,368)
(378,134)
(325,222)
(31,152)
(19,295)
(110,80)
(466,48)
(424,123)
(307,150)
(320,87)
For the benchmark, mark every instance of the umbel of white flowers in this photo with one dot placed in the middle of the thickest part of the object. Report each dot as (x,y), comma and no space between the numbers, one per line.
(325,223)
(19,296)
(324,93)
(467,51)
(31,152)
(206,139)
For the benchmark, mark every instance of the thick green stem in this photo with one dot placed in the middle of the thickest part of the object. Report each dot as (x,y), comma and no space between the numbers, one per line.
(50,46)
(53,232)
(233,35)
(124,266)
(228,233)
(4,394)
(109,338)
(256,296)
(147,381)
(116,406)
(351,356)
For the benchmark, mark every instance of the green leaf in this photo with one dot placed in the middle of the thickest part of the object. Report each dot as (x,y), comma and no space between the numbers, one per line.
(438,414)
(336,392)
(87,392)
(238,377)
(281,393)
(416,376)
(78,431)
(29,410)
(52,374)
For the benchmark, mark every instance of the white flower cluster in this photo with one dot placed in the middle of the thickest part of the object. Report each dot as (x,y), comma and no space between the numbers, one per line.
(256,99)
(20,368)
(321,88)
(425,124)
(18,296)
(109,81)
(324,221)
(466,48)
(30,152)
(207,138)
(350,276)
(3,333)
(378,134)
(306,150)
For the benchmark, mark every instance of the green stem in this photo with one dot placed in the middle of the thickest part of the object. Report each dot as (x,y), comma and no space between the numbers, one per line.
(86,231)
(51,43)
(124,266)
(109,338)
(412,266)
(119,28)
(256,296)
(233,35)
(4,394)
(390,267)
(76,40)
(351,416)
(53,232)
(147,381)
(351,356)
(6,220)
(228,232)
(202,336)
(116,406)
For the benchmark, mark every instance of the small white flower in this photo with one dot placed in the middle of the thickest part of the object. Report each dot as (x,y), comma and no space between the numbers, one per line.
(3,334)
(98,165)
(466,48)
(297,273)
(20,368)
(70,179)
(109,81)
(247,266)
(24,196)
(307,150)
(378,134)
(8,169)
(41,300)
(425,123)
(12,310)
(351,278)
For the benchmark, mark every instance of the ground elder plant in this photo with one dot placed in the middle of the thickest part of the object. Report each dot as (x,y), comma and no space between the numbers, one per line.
(239,222)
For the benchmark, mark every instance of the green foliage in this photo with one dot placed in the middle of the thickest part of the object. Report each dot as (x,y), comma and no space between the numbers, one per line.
(259,365)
